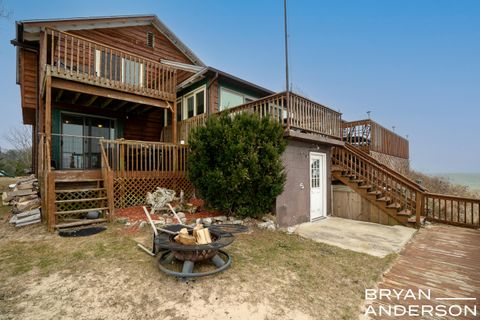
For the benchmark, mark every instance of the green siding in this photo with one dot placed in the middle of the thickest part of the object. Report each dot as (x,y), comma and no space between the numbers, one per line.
(237,89)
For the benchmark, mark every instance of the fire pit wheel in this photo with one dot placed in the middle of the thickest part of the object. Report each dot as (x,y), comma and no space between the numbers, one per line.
(191,254)
(187,272)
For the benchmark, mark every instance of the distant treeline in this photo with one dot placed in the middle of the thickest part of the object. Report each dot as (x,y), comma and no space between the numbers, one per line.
(15,162)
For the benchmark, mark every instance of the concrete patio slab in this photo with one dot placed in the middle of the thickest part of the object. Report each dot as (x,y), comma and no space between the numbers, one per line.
(371,238)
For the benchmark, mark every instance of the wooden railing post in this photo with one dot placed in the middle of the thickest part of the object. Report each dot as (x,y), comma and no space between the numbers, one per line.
(122,158)
(287,106)
(50,203)
(419,207)
(110,195)
(174,121)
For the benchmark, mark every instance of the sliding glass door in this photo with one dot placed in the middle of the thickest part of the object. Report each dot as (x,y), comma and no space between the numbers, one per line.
(79,140)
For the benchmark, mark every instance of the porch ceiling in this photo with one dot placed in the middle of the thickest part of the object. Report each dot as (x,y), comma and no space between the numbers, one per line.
(87,101)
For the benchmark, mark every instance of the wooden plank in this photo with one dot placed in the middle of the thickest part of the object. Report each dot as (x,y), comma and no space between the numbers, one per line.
(77,175)
(92,100)
(79,223)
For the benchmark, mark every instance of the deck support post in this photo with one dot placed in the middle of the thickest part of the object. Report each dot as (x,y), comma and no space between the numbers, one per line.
(110,196)
(174,123)
(50,183)
(419,204)
(50,203)
(174,137)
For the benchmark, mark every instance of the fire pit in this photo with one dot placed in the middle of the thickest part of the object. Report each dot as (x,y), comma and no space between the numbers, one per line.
(191,254)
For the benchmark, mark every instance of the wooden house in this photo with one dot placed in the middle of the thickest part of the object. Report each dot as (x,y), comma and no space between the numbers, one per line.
(112,100)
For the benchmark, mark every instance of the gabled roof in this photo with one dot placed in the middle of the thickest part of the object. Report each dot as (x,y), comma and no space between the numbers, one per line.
(202,73)
(29,29)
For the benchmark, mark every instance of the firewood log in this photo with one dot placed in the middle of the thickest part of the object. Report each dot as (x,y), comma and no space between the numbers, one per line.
(28,205)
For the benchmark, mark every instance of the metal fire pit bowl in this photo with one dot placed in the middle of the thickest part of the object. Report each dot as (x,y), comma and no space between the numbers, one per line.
(189,255)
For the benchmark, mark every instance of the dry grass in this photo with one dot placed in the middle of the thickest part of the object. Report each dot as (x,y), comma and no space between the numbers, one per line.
(273,276)
(4,182)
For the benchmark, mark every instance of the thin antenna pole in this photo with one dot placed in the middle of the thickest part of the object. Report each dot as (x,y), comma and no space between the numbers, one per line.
(287,83)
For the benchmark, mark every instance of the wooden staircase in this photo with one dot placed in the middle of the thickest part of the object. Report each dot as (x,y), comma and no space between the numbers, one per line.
(394,194)
(78,194)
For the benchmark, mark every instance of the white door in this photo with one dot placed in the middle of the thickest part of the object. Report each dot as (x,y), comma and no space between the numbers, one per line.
(318,185)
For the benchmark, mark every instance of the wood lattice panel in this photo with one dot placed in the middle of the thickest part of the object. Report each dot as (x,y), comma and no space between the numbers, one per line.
(76,195)
(132,191)
(79,200)
(80,205)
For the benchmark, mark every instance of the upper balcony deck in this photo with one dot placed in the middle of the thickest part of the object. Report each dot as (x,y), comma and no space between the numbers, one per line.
(291,110)
(368,135)
(83,60)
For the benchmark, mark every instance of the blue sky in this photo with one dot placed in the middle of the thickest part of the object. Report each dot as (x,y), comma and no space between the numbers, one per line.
(414,64)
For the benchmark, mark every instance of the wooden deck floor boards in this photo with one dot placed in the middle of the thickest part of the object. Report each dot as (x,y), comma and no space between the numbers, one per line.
(444,259)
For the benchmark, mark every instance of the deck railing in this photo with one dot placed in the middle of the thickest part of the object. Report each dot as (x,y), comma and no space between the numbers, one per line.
(107,176)
(77,58)
(128,158)
(452,210)
(368,135)
(76,152)
(299,114)
(409,195)
(393,185)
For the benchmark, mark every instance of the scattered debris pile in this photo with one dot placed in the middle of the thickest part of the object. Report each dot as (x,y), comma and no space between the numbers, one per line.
(200,235)
(23,196)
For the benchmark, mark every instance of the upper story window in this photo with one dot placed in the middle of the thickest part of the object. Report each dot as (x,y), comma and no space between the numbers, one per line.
(189,105)
(192,104)
(230,98)
(114,67)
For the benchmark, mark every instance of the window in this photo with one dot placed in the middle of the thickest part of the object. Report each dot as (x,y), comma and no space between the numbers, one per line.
(78,141)
(132,72)
(230,98)
(150,39)
(200,102)
(179,109)
(109,66)
(114,67)
(192,104)
(167,114)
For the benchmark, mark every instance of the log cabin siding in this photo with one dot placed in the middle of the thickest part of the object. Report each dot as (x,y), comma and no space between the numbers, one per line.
(28,85)
(146,127)
(134,39)
(213,98)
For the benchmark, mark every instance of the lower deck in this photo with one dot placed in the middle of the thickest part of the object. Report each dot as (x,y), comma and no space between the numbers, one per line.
(442,259)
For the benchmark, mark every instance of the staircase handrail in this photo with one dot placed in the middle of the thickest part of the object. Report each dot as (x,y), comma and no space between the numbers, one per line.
(383,167)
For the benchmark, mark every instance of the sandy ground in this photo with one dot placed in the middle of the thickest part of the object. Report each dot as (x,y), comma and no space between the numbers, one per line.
(273,276)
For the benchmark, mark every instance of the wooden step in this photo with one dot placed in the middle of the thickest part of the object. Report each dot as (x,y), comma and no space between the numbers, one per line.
(405,212)
(394,206)
(81,211)
(78,190)
(384,199)
(81,200)
(413,219)
(337,169)
(79,223)
(77,180)
(375,192)
(357,180)
(349,175)
(367,186)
